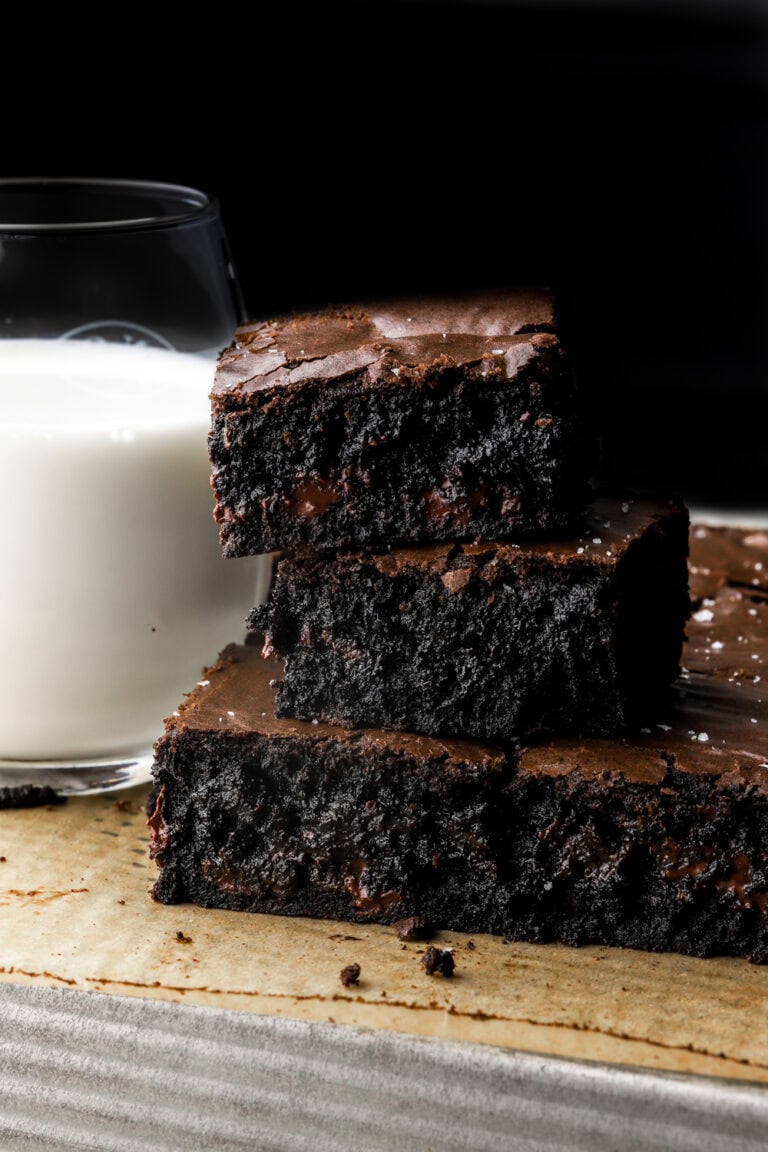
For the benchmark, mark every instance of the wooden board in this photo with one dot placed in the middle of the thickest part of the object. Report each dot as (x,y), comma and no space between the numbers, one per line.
(75,911)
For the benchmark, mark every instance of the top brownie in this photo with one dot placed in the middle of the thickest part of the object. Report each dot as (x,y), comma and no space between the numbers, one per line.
(406,421)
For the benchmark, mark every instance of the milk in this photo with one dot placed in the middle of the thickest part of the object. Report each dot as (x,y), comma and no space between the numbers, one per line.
(113,592)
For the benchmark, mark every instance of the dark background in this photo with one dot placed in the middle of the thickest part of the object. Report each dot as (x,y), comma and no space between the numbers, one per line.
(617,152)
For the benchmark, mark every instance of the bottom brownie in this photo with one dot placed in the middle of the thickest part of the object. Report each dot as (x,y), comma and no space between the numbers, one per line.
(657,842)
(269,815)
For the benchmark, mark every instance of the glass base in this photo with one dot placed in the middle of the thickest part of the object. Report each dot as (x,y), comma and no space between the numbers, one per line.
(78,777)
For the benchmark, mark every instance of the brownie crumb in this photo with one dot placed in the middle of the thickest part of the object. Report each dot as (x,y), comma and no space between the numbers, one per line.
(439,960)
(29,796)
(350,975)
(121,901)
(413,928)
(182,939)
(3,859)
(470,945)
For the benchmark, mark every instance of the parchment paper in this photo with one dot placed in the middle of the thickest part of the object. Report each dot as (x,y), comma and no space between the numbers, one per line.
(75,911)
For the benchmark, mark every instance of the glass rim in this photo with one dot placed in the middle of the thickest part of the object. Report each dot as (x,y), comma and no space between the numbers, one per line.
(194,205)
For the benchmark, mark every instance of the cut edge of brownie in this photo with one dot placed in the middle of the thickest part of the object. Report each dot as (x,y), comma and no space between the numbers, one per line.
(499,641)
(335,774)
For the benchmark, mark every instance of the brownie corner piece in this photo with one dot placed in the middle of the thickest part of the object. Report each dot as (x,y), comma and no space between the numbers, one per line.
(410,421)
(261,814)
(495,641)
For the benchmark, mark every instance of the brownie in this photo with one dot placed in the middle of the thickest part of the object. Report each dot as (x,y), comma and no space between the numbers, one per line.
(407,421)
(272,815)
(29,796)
(493,641)
(659,841)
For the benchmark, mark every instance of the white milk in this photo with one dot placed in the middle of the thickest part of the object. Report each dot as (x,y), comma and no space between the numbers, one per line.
(113,592)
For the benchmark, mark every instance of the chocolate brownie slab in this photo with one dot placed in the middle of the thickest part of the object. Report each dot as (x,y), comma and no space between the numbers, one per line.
(493,641)
(659,841)
(273,815)
(453,419)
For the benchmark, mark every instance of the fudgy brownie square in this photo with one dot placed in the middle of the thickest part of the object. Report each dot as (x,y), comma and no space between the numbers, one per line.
(409,421)
(494,641)
(271,815)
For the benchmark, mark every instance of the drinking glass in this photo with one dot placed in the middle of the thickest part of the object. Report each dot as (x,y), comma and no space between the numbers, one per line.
(115,298)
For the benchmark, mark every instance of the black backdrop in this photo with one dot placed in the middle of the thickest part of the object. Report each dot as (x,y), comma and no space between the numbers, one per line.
(617,152)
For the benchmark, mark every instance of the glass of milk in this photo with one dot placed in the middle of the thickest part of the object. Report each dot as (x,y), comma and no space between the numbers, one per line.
(115,298)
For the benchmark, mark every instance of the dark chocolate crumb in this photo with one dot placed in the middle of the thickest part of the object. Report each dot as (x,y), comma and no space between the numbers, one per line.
(182,939)
(413,928)
(29,796)
(350,975)
(470,945)
(3,859)
(439,960)
(121,901)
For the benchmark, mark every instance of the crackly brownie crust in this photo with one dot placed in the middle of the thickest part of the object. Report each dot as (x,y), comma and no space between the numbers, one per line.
(453,419)
(657,842)
(494,641)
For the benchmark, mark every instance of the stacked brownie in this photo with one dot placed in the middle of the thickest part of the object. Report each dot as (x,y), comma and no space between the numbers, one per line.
(463,707)
(427,463)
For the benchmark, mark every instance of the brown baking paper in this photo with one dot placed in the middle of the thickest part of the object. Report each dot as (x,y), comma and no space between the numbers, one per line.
(75,911)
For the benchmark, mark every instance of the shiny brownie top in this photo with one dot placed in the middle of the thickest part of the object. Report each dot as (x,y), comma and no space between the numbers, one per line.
(494,334)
